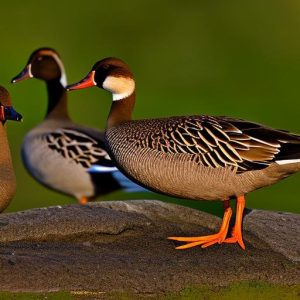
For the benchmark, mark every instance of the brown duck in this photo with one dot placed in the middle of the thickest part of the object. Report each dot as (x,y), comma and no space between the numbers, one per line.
(60,154)
(196,157)
(7,175)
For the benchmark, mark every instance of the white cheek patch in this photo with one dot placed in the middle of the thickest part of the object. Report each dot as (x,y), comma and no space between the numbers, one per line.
(120,87)
(63,78)
(29,71)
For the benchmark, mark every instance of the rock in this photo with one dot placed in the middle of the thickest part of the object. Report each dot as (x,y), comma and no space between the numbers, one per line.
(279,230)
(122,245)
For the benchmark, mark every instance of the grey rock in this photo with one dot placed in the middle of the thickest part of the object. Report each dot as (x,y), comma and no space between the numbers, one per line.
(281,231)
(122,245)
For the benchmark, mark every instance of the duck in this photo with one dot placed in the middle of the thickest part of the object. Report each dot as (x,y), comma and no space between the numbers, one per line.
(197,157)
(7,174)
(60,154)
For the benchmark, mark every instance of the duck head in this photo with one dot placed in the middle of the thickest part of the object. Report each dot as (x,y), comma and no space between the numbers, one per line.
(7,111)
(110,74)
(44,64)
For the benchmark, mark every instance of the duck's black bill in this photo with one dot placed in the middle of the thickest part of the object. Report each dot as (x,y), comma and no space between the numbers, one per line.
(86,82)
(25,74)
(11,114)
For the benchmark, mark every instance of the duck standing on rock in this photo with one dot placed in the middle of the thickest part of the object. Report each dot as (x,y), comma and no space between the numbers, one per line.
(60,154)
(7,175)
(195,157)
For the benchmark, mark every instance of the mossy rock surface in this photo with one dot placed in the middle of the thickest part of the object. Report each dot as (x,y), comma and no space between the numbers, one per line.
(112,248)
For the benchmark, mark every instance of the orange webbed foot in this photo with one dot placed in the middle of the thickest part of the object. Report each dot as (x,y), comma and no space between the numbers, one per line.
(207,240)
(83,201)
(220,237)
(236,237)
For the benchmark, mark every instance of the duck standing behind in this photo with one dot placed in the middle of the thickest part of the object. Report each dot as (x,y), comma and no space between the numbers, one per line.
(60,154)
(196,157)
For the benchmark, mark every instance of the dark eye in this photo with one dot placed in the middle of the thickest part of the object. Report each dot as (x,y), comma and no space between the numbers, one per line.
(105,66)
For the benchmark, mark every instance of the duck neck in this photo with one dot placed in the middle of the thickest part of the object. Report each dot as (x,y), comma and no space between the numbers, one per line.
(7,175)
(57,100)
(121,111)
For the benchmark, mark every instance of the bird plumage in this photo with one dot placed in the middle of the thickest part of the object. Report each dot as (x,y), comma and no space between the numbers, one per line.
(58,152)
(201,157)
(7,174)
(196,157)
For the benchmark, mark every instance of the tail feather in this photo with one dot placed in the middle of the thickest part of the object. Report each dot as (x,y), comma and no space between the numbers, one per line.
(126,184)
(289,153)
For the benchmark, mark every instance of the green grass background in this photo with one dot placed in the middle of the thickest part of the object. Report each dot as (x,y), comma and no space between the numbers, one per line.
(235,58)
(243,290)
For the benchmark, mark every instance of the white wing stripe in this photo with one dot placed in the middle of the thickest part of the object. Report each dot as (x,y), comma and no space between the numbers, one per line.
(287,161)
(101,169)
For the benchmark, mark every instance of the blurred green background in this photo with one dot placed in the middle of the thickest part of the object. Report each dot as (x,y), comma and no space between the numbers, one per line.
(235,58)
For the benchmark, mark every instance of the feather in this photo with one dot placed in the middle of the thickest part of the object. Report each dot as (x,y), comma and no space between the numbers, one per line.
(126,184)
(224,142)
(78,147)
(101,169)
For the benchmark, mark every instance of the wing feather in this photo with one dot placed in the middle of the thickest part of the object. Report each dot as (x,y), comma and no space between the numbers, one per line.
(78,147)
(224,142)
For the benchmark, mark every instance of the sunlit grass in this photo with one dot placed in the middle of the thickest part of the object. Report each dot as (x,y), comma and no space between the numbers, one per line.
(243,290)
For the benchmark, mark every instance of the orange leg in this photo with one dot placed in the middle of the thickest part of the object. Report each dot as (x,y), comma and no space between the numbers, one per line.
(208,240)
(236,234)
(83,200)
